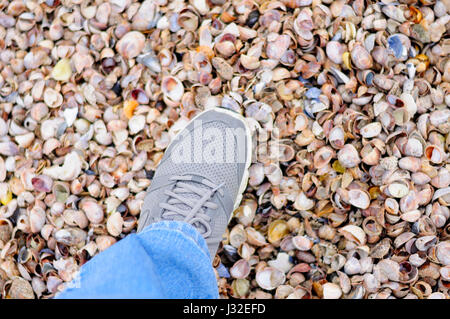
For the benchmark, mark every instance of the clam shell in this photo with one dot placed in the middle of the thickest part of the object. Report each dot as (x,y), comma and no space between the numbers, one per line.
(359,198)
(240,269)
(114,224)
(331,291)
(354,233)
(348,156)
(303,203)
(172,88)
(254,237)
(398,189)
(361,58)
(93,211)
(131,44)
(371,130)
(270,278)
(302,243)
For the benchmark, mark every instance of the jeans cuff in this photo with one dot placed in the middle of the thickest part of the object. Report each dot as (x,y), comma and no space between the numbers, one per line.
(183,227)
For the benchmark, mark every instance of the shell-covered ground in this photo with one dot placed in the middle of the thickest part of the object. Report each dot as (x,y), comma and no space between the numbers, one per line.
(349,101)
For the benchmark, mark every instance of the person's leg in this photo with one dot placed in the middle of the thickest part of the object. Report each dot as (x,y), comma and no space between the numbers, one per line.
(168,259)
(197,185)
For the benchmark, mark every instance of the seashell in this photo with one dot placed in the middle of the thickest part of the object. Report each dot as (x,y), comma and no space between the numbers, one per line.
(393,12)
(411,216)
(237,236)
(70,115)
(104,242)
(348,156)
(70,236)
(443,252)
(75,218)
(25,140)
(254,237)
(246,212)
(445,273)
(337,137)
(359,198)
(398,189)
(282,262)
(334,51)
(270,278)
(360,57)
(277,47)
(439,117)
(284,291)
(303,203)
(145,17)
(225,48)
(435,154)
(240,288)
(370,155)
(413,147)
(273,173)
(442,179)
(278,229)
(37,219)
(441,194)
(425,242)
(52,98)
(420,178)
(136,124)
(131,44)
(371,130)
(354,233)
(224,70)
(399,45)
(20,289)
(331,291)
(70,169)
(114,224)
(8,149)
(301,122)
(302,243)
(409,103)
(42,183)
(172,88)
(412,164)
(62,70)
(323,156)
(188,20)
(240,269)
(38,286)
(352,266)
(249,62)
(93,211)
(61,191)
(256,174)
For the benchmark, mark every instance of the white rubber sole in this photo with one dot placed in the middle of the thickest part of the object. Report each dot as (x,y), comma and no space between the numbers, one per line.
(248,160)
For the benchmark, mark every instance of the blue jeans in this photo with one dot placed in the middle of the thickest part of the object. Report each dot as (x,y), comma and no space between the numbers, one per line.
(168,259)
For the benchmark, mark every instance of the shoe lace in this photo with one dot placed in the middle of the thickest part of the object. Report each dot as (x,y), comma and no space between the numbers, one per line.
(189,200)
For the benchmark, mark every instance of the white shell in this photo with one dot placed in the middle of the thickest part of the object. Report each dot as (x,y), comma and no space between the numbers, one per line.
(359,198)
(354,233)
(270,278)
(398,190)
(68,171)
(303,203)
(371,130)
(331,291)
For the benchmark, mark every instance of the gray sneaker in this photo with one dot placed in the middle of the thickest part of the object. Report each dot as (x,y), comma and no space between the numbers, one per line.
(201,178)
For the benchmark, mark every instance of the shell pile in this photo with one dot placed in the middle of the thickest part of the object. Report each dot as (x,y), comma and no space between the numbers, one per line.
(348,195)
